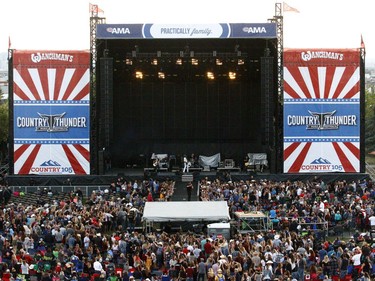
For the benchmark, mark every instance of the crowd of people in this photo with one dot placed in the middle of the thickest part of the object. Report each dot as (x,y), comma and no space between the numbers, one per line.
(101,237)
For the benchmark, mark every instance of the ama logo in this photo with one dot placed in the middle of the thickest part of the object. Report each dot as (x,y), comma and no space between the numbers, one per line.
(118,30)
(254,29)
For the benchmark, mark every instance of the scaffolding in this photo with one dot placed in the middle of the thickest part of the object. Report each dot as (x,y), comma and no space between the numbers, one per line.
(94,21)
(252,222)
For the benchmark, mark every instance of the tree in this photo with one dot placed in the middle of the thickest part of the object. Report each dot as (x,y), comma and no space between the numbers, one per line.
(370,121)
(4,126)
(4,119)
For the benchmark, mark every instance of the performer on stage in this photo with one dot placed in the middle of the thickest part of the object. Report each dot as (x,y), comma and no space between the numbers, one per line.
(189,189)
(194,161)
(156,164)
(187,165)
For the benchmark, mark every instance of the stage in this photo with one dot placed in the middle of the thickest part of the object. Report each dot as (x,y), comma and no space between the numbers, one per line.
(185,95)
(131,174)
(216,91)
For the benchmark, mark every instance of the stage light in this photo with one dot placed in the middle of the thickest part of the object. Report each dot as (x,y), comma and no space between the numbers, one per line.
(194,62)
(134,54)
(158,53)
(139,75)
(154,62)
(219,62)
(191,54)
(179,61)
(214,53)
(232,75)
(210,75)
(240,62)
(161,75)
(181,54)
(128,62)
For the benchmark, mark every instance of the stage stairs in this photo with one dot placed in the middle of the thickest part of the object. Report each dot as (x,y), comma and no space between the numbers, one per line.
(187,177)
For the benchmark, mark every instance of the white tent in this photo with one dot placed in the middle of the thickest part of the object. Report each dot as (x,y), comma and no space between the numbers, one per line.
(186,211)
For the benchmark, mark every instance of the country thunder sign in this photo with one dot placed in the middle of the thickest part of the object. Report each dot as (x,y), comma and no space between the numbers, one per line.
(321,111)
(51,112)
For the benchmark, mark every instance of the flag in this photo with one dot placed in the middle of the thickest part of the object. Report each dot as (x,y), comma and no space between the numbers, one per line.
(287,8)
(9,43)
(95,9)
(362,43)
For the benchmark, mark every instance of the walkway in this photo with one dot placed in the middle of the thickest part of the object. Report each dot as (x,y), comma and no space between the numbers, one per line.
(180,193)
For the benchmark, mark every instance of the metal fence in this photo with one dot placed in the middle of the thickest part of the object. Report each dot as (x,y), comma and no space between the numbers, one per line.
(370,170)
(86,190)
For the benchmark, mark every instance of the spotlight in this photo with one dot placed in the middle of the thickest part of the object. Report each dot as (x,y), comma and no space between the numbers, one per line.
(240,62)
(158,53)
(194,61)
(232,75)
(210,75)
(139,75)
(128,62)
(214,53)
(179,61)
(154,62)
(161,75)
(219,62)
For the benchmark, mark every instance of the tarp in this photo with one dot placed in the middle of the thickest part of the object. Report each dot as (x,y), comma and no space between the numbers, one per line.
(186,211)
(210,161)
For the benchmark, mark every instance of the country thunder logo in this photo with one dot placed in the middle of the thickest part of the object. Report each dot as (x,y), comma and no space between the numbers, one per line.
(51,123)
(322,120)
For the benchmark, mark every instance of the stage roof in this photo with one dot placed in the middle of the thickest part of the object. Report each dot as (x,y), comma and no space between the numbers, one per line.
(186,31)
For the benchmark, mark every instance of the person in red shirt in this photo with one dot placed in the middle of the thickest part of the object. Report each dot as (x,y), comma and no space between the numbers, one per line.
(149,197)
(190,272)
(208,247)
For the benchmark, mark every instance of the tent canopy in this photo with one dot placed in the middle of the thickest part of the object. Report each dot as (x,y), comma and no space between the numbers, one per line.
(186,211)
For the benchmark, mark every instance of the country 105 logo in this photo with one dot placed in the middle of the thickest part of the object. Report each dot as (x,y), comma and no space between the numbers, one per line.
(321,164)
(51,167)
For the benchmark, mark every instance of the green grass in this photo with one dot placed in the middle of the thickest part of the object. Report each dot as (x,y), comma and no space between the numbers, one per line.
(370,159)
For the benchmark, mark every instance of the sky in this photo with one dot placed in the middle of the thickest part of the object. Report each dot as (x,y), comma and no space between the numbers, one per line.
(64,24)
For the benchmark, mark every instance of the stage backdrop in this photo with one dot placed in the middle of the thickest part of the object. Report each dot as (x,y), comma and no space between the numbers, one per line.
(321,111)
(51,112)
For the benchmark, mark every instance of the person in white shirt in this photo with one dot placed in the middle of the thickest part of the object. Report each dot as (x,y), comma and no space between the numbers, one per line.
(372,221)
(98,267)
(356,258)
(86,241)
(186,165)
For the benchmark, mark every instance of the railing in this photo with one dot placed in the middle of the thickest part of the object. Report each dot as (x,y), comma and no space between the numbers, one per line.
(4,169)
(86,190)
(370,170)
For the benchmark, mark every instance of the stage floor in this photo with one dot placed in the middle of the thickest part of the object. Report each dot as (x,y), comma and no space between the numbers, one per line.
(140,174)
